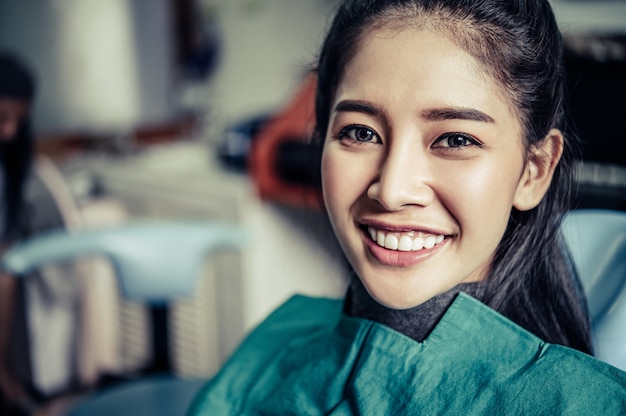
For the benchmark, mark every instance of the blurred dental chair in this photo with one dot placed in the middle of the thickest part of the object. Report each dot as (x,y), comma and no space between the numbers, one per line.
(596,239)
(155,262)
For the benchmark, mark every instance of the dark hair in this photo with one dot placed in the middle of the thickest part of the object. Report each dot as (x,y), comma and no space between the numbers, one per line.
(16,82)
(531,280)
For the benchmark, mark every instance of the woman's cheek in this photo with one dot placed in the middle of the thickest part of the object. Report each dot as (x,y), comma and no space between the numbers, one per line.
(333,179)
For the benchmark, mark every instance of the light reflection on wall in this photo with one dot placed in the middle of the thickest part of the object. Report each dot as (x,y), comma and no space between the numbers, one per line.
(590,16)
(97,73)
(90,61)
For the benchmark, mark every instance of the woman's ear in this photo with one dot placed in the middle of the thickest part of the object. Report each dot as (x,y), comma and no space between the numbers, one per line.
(538,172)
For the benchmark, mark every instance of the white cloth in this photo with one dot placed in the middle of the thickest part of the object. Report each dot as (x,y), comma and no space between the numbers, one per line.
(71,308)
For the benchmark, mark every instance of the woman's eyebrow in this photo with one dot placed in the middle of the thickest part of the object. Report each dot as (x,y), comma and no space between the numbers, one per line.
(355,106)
(455,113)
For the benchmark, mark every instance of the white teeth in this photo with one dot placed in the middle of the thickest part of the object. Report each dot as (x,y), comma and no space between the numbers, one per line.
(380,239)
(391,242)
(429,242)
(418,244)
(405,241)
(406,244)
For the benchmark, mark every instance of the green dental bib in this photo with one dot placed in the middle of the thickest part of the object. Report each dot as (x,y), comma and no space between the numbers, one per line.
(309,359)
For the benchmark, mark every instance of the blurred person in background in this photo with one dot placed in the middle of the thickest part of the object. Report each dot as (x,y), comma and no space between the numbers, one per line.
(17,90)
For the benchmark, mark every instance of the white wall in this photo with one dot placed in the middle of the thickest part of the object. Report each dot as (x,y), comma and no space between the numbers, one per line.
(101,65)
(581,16)
(267,45)
(108,65)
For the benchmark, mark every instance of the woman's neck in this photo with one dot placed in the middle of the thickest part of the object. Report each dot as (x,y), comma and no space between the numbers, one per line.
(417,322)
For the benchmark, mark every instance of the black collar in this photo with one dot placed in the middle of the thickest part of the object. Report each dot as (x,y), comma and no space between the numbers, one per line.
(417,322)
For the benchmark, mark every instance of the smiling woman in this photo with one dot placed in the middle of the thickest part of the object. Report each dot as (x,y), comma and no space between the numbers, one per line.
(446,169)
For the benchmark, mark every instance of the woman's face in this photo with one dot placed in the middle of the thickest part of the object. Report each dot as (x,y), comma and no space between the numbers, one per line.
(422,163)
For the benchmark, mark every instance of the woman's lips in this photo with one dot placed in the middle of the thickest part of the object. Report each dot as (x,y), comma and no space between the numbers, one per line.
(401,249)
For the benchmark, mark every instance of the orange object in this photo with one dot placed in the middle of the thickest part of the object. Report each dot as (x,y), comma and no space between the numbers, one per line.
(295,122)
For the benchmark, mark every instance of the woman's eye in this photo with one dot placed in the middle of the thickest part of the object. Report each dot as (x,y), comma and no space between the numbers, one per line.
(455,141)
(359,134)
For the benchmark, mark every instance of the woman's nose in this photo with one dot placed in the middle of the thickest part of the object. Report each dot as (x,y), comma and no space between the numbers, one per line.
(405,179)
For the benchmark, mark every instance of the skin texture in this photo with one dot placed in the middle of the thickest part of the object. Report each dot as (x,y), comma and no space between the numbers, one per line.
(421,139)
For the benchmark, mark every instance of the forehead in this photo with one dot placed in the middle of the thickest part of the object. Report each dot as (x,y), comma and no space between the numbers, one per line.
(414,56)
(414,48)
(430,66)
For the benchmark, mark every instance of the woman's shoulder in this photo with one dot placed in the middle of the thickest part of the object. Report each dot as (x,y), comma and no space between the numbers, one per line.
(524,366)
(577,374)
(291,336)
(296,322)
(491,332)
(299,315)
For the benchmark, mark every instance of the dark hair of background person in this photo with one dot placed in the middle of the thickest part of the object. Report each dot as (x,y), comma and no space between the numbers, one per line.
(16,82)
(532,280)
